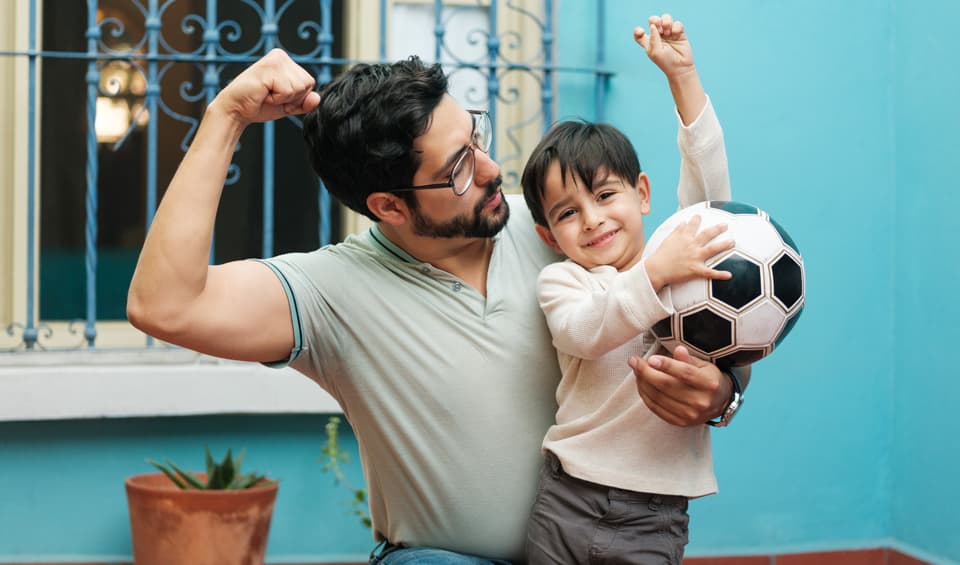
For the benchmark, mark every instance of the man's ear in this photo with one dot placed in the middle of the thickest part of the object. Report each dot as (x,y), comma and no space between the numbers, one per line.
(389,207)
(548,238)
(643,187)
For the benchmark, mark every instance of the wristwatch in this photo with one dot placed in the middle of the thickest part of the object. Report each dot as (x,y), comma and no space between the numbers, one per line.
(736,401)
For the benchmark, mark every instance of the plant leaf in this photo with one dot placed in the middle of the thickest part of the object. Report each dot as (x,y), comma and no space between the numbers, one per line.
(246,481)
(190,478)
(239,460)
(215,480)
(170,474)
(227,470)
(210,463)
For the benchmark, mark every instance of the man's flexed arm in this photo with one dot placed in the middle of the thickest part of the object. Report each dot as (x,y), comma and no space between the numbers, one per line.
(237,310)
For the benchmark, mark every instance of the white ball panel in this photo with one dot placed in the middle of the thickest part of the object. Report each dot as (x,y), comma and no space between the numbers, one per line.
(760,325)
(756,237)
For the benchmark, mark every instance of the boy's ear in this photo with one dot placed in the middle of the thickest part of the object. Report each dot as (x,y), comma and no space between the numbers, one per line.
(547,237)
(390,208)
(643,187)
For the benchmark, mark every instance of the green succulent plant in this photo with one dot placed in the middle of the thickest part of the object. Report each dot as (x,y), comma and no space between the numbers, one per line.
(224,475)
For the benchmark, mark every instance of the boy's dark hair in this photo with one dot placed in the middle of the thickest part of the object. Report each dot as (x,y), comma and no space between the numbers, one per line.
(360,137)
(583,148)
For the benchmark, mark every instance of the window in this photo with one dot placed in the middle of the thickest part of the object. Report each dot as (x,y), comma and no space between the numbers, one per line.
(268,207)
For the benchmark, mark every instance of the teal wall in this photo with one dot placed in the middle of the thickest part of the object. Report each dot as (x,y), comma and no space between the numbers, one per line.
(840,121)
(926,501)
(64,497)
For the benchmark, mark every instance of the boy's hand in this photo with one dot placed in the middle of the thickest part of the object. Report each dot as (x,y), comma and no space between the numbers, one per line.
(666,45)
(274,87)
(682,255)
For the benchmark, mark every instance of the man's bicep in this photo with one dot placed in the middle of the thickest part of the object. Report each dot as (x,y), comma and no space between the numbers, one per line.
(244,314)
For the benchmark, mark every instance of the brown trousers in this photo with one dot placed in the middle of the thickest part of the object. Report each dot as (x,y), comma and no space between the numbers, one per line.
(578,522)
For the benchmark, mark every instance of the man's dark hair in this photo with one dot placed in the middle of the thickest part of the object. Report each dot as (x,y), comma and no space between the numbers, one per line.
(582,148)
(360,137)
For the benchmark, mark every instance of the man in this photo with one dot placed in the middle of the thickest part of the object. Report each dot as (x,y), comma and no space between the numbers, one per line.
(426,328)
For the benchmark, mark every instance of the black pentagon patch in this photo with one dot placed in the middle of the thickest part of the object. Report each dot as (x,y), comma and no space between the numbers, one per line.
(740,358)
(663,329)
(734,207)
(743,288)
(706,330)
(789,326)
(785,236)
(787,281)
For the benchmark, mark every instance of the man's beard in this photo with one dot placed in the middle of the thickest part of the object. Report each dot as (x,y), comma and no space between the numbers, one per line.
(473,225)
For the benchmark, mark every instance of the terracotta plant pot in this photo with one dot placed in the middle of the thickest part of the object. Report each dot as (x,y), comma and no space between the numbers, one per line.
(171,526)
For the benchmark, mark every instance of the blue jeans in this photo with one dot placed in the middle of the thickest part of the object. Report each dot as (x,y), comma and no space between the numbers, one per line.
(399,555)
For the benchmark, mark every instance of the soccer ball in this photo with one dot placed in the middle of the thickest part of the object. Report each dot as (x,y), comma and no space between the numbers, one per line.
(741,320)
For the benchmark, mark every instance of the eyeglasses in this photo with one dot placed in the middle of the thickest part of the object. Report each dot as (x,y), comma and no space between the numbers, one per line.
(461,177)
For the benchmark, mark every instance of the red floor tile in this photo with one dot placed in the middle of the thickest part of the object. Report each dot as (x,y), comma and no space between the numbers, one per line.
(848,557)
(730,560)
(894,557)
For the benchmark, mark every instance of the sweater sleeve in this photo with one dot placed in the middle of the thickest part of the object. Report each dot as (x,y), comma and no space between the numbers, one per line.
(591,313)
(703,159)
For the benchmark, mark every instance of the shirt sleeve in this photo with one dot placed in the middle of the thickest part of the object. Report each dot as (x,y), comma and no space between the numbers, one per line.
(592,313)
(703,159)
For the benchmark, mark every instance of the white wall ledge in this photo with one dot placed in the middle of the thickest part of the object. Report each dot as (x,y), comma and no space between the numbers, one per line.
(148,383)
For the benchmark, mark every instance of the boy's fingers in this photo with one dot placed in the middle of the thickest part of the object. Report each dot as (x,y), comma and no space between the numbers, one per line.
(655,41)
(718,247)
(677,29)
(667,24)
(654,22)
(711,232)
(716,275)
(641,37)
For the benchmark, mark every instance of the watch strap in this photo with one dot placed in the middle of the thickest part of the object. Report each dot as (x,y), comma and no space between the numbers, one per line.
(736,400)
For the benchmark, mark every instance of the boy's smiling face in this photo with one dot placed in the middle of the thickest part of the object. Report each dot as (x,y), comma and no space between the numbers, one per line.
(603,227)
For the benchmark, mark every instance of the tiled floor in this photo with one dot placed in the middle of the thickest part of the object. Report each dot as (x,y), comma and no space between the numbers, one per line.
(854,557)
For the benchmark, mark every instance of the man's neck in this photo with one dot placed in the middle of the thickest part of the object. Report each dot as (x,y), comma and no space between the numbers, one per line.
(466,258)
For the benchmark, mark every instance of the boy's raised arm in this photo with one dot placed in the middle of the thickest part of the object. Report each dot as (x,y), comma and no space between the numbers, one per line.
(684,390)
(237,310)
(667,46)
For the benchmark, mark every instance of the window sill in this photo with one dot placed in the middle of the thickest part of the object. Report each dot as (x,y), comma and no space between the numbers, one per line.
(145,383)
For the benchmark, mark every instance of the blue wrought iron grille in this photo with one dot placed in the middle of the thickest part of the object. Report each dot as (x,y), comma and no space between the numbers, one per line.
(147,70)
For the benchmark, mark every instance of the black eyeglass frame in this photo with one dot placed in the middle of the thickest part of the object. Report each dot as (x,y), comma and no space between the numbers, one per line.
(478,116)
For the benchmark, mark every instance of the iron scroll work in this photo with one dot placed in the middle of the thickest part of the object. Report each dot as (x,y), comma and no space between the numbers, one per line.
(133,51)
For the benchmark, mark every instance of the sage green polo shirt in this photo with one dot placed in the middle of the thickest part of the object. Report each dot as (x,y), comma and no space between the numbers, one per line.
(449,392)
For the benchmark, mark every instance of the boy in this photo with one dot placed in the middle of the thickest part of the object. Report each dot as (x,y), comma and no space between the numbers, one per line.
(616,477)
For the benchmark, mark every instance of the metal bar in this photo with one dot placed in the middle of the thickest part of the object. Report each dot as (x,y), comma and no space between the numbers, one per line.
(93,82)
(211,36)
(152,93)
(493,83)
(269,31)
(30,333)
(546,89)
(220,59)
(383,31)
(601,77)
(438,29)
(326,49)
